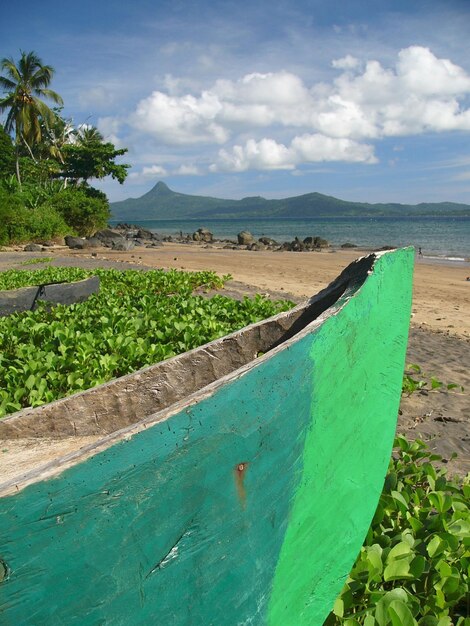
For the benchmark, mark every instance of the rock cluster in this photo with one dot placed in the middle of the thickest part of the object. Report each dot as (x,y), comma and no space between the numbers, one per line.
(126,237)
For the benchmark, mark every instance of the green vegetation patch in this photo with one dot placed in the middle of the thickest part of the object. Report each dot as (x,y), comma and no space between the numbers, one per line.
(414,566)
(136,319)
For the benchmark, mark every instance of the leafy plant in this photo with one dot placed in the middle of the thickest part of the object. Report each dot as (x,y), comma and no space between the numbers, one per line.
(137,318)
(414,566)
(411,384)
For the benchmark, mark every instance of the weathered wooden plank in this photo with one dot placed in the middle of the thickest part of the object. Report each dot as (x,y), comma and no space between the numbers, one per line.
(245,503)
(25,299)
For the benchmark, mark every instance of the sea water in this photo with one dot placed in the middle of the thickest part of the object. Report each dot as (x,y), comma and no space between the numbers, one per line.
(441,237)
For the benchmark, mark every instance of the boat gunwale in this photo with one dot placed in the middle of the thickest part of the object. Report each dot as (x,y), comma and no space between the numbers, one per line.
(63,462)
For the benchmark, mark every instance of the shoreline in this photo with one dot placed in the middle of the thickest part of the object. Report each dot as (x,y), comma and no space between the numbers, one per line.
(438,236)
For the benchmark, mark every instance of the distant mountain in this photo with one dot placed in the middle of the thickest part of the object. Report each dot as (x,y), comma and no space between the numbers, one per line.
(162,203)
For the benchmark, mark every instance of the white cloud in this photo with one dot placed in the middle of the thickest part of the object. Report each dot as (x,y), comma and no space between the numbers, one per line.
(421,72)
(187,170)
(180,120)
(276,121)
(151,171)
(312,148)
(346,63)
(267,154)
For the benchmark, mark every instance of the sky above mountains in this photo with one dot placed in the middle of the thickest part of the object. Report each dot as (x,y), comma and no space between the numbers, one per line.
(363,101)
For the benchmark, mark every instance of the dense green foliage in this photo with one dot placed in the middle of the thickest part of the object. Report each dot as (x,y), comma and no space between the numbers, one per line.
(138,318)
(163,203)
(44,190)
(7,155)
(95,159)
(414,567)
(19,222)
(83,212)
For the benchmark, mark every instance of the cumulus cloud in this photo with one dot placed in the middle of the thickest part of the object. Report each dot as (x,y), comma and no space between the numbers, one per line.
(267,154)
(346,63)
(187,170)
(180,120)
(275,121)
(151,171)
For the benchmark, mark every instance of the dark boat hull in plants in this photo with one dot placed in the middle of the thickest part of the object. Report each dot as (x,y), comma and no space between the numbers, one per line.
(233,484)
(26,298)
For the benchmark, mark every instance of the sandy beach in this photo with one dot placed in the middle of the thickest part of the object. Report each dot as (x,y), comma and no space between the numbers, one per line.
(440,323)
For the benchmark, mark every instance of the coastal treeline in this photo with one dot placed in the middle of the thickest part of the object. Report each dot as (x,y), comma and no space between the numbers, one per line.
(46,161)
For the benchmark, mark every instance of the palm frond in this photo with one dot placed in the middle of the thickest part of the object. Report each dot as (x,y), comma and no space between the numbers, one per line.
(7,83)
(8,65)
(52,95)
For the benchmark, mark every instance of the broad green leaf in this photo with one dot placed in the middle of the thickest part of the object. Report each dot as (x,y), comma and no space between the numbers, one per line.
(401,550)
(400,614)
(381,610)
(398,570)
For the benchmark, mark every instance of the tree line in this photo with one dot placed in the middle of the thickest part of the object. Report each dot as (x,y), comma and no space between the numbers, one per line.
(46,162)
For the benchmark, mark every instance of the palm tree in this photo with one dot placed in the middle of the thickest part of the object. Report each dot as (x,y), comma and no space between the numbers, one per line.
(88,134)
(25,84)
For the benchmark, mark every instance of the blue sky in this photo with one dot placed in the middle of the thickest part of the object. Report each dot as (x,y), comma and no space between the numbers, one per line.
(361,100)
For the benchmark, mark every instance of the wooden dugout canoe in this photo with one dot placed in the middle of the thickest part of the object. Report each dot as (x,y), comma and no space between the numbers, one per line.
(26,298)
(231,485)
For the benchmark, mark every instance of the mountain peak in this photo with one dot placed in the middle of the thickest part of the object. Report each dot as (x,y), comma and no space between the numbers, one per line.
(161,188)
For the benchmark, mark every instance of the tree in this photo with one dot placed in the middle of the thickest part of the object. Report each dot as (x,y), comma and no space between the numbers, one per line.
(7,155)
(25,85)
(90,157)
(87,135)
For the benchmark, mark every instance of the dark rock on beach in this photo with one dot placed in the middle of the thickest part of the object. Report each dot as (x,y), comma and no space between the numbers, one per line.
(123,245)
(268,241)
(245,238)
(33,247)
(203,234)
(76,243)
(108,237)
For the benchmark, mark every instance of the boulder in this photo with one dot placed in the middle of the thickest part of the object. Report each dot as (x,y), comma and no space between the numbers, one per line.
(297,245)
(245,238)
(108,237)
(348,245)
(321,243)
(267,241)
(93,242)
(76,243)
(203,234)
(33,247)
(143,233)
(124,245)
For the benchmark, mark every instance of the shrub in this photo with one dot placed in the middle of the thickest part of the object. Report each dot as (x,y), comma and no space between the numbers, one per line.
(81,210)
(18,223)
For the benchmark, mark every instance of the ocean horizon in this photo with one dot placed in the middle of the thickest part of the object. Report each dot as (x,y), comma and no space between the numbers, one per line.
(441,237)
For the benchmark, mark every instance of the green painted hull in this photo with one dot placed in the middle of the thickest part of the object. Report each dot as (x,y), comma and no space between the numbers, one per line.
(245,502)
